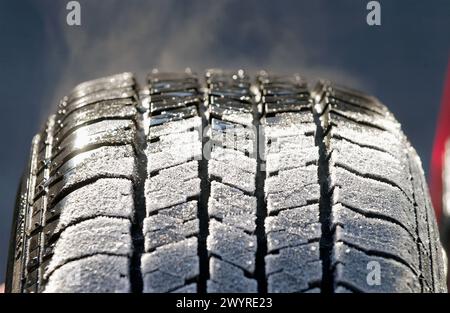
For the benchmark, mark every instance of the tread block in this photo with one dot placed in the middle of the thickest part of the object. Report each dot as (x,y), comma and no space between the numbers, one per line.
(166,142)
(372,163)
(173,101)
(233,136)
(289,124)
(78,276)
(109,93)
(361,117)
(290,119)
(113,109)
(224,277)
(100,235)
(104,83)
(298,103)
(289,144)
(232,245)
(241,118)
(169,267)
(234,158)
(175,127)
(160,230)
(105,197)
(375,234)
(288,158)
(293,227)
(353,97)
(383,199)
(169,86)
(291,180)
(232,207)
(107,161)
(103,132)
(174,115)
(352,268)
(294,269)
(102,95)
(176,193)
(173,149)
(185,211)
(366,136)
(232,175)
(172,186)
(182,172)
(301,196)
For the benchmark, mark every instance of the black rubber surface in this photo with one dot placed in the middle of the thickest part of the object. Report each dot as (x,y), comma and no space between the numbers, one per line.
(225,183)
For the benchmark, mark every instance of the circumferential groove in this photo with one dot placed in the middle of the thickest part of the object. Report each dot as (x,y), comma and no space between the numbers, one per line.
(261,205)
(137,235)
(321,111)
(205,188)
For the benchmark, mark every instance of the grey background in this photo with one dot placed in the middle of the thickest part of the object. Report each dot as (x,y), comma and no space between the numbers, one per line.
(402,62)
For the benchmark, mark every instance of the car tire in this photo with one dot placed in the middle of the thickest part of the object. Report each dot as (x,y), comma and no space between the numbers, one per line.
(223,184)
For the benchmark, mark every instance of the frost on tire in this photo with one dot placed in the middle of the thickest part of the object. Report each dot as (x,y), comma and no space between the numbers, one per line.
(222,183)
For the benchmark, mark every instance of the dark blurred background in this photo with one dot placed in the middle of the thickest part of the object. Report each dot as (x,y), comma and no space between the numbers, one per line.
(402,62)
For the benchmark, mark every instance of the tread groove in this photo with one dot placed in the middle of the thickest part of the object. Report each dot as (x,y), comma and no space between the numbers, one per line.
(325,203)
(139,200)
(205,187)
(261,205)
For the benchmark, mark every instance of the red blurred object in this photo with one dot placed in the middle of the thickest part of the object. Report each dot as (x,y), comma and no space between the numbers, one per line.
(442,135)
